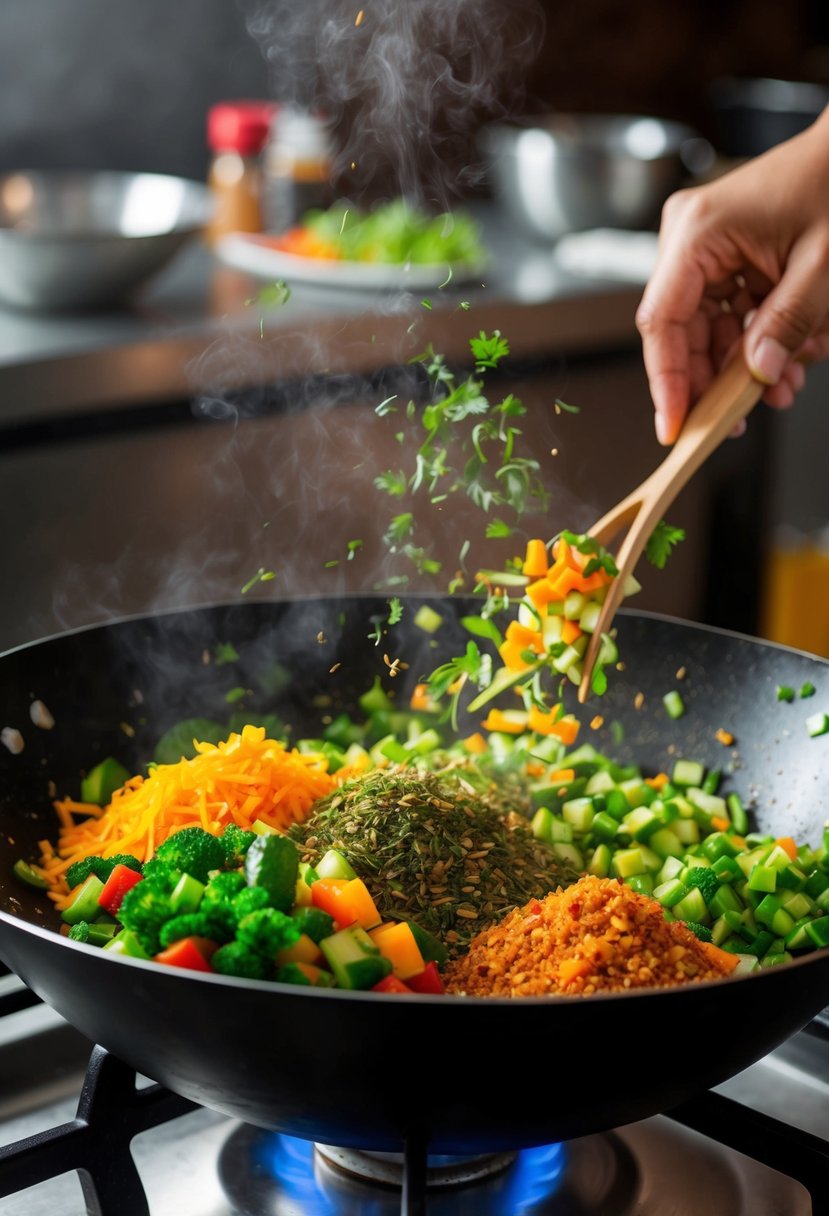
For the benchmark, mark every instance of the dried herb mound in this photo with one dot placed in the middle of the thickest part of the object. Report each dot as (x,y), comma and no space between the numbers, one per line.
(434,849)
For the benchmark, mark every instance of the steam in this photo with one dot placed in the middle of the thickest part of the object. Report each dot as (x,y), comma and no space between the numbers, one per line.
(406,83)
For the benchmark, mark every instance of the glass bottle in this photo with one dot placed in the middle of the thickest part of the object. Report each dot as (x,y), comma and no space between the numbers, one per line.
(236,134)
(297,168)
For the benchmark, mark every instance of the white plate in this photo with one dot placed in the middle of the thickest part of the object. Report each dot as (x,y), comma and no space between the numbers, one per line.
(246,252)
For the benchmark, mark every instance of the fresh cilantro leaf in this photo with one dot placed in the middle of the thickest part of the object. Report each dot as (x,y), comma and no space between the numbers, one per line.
(225,652)
(395,611)
(353,546)
(393,483)
(488,351)
(234,695)
(482,627)
(497,529)
(401,527)
(661,542)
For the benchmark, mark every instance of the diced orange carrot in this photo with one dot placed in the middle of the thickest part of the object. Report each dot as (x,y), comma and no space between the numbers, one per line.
(304,950)
(720,958)
(475,744)
(657,782)
(397,943)
(563,775)
(788,845)
(545,723)
(534,769)
(719,823)
(562,551)
(348,900)
(420,701)
(570,630)
(566,729)
(528,639)
(568,580)
(501,721)
(540,593)
(512,655)
(312,971)
(535,562)
(570,969)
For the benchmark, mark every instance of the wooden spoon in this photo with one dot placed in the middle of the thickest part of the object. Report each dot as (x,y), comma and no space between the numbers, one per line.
(726,401)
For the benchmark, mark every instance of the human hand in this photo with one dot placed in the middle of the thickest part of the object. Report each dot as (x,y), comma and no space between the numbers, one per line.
(745,257)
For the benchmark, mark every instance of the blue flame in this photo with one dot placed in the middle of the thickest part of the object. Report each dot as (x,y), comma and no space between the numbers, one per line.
(533,1178)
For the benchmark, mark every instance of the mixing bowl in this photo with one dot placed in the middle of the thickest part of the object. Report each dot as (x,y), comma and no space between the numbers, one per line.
(560,173)
(83,239)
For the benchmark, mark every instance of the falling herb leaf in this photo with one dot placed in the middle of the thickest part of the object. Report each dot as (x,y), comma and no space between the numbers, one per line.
(464,305)
(568,409)
(395,611)
(488,351)
(446,281)
(661,542)
(426,303)
(225,652)
(353,546)
(236,694)
(261,576)
(497,529)
(385,407)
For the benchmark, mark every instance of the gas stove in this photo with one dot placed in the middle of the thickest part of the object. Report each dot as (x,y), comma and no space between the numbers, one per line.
(80,1133)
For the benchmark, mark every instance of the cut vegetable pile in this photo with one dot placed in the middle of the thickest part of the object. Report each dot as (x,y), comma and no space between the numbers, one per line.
(385,879)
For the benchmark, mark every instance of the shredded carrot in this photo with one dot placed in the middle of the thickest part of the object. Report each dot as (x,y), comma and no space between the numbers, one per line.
(245,778)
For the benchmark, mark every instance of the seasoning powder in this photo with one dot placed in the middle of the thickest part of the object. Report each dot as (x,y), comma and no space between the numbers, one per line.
(596,936)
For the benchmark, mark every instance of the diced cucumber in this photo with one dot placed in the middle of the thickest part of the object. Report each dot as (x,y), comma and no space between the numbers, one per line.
(688,773)
(674,705)
(541,823)
(627,862)
(579,813)
(354,959)
(589,618)
(692,907)
(600,783)
(333,864)
(574,604)
(569,852)
(599,863)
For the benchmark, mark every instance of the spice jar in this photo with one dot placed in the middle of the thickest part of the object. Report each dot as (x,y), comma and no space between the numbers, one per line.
(236,133)
(297,168)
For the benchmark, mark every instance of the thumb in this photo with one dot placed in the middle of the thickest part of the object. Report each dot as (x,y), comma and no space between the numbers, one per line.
(789,315)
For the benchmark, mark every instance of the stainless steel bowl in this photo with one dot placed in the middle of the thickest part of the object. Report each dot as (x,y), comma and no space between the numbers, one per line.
(78,240)
(560,173)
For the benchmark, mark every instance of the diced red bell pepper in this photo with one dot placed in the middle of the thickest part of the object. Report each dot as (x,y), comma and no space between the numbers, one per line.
(427,981)
(390,983)
(121,880)
(184,953)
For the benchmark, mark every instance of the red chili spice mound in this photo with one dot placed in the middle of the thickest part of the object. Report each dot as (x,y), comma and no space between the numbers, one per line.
(594,936)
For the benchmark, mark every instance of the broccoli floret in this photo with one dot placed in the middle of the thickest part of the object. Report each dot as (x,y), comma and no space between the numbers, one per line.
(101,867)
(289,973)
(144,909)
(704,878)
(79,932)
(238,959)
(193,851)
(164,876)
(236,842)
(217,924)
(267,931)
(222,888)
(700,931)
(251,899)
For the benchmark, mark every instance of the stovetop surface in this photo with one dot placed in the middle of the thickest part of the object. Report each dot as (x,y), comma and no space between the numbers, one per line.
(205,1164)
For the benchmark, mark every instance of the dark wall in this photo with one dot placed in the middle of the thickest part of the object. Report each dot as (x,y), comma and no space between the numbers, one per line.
(126,83)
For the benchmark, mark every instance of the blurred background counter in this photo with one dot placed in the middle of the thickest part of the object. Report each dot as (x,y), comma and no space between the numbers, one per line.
(161,452)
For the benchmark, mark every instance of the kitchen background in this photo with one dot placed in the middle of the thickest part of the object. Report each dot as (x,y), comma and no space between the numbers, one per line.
(151,451)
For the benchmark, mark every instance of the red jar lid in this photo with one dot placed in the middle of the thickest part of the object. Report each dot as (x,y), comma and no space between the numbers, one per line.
(239,126)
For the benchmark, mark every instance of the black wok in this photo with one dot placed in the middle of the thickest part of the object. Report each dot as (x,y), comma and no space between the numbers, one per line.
(366,1070)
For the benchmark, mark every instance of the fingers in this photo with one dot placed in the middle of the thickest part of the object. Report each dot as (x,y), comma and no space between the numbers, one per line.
(792,312)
